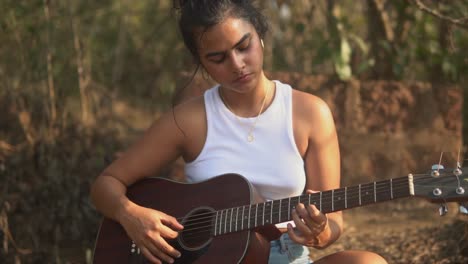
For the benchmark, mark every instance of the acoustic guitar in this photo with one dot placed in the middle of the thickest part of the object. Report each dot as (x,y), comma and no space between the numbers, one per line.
(225,221)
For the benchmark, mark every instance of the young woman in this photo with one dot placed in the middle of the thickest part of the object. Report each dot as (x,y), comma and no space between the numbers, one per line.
(282,140)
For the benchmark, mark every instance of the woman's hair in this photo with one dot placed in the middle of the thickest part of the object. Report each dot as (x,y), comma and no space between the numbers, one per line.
(197,16)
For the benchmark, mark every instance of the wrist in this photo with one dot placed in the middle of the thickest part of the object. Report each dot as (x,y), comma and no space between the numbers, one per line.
(124,210)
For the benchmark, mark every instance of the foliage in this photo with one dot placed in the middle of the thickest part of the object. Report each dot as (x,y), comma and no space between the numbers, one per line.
(65,65)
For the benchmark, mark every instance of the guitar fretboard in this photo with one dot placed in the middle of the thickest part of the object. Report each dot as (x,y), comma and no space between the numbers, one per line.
(278,211)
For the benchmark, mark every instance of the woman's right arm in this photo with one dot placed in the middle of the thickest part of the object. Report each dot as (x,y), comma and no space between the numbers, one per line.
(161,144)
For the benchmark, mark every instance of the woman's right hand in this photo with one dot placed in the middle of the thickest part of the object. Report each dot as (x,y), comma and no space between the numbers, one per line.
(149,230)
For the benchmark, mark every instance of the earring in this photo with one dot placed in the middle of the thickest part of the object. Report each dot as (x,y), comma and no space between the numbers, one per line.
(261,42)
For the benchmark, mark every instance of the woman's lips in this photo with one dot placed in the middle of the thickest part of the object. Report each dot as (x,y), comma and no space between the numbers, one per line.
(243,78)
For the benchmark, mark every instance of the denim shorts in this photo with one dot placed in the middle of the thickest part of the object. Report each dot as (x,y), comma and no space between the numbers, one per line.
(284,250)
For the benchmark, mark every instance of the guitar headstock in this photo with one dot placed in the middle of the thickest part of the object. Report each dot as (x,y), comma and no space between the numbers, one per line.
(442,185)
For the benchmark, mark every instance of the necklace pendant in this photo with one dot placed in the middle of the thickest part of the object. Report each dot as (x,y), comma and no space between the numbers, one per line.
(250,137)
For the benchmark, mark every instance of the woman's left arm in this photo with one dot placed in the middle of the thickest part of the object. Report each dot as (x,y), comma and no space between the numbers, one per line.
(313,122)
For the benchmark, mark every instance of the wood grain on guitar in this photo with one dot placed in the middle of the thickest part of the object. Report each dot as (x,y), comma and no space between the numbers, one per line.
(226,222)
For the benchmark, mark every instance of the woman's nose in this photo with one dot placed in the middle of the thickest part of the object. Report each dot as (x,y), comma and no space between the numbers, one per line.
(238,63)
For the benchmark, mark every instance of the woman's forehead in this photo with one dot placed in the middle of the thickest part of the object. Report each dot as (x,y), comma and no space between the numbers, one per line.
(224,35)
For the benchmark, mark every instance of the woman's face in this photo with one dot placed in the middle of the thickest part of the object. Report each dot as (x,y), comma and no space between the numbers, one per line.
(231,52)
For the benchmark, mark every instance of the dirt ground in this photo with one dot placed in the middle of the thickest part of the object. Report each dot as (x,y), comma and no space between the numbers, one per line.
(405,231)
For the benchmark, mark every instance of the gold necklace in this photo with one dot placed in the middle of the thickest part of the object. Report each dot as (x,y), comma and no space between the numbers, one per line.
(250,136)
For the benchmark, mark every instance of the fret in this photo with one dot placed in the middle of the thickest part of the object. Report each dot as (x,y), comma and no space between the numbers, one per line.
(279,210)
(302,199)
(294,203)
(221,223)
(391,189)
(353,198)
(216,223)
(327,201)
(261,212)
(384,191)
(360,194)
(237,218)
(275,209)
(320,208)
(367,193)
(226,221)
(248,221)
(332,201)
(346,197)
(268,209)
(230,224)
(256,210)
(243,217)
(339,199)
(269,205)
(314,199)
(408,188)
(375,192)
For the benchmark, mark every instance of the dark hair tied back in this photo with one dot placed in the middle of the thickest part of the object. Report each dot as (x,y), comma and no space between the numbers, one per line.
(194,15)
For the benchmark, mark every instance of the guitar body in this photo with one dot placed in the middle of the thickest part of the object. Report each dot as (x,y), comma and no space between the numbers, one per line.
(181,201)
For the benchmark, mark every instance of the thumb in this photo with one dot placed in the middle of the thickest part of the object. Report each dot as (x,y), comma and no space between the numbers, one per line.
(309,191)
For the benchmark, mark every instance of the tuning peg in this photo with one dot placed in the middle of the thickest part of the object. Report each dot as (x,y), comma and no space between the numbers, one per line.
(463,208)
(435,170)
(443,209)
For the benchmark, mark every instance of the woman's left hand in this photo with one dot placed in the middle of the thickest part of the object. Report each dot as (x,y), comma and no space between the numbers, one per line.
(312,228)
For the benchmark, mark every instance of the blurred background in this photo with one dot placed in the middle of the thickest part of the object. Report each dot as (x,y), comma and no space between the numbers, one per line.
(80,80)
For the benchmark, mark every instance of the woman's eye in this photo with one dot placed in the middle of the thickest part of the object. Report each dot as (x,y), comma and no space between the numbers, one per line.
(218,59)
(244,46)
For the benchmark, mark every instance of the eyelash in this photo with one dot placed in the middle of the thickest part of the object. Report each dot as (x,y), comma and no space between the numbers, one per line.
(224,56)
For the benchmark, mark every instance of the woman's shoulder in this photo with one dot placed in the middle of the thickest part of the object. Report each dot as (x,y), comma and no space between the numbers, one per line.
(308,103)
(312,114)
(188,112)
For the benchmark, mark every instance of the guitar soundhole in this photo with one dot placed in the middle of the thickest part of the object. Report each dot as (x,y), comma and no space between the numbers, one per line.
(198,229)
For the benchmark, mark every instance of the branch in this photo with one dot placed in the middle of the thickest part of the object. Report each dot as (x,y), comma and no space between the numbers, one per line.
(384,17)
(461,22)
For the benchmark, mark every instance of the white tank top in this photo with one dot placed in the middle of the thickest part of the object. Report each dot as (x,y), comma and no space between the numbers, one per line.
(272,162)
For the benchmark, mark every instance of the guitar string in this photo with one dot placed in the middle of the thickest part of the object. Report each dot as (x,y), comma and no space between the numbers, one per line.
(325,202)
(229,227)
(354,194)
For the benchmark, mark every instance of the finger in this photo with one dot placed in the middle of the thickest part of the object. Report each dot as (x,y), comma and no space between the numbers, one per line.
(300,225)
(171,222)
(156,251)
(149,256)
(303,212)
(168,232)
(318,218)
(294,236)
(167,248)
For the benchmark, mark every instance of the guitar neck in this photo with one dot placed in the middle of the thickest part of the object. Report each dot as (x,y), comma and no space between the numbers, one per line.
(278,211)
